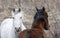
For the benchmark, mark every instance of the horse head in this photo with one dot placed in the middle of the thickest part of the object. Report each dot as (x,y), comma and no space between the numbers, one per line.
(42,15)
(17,18)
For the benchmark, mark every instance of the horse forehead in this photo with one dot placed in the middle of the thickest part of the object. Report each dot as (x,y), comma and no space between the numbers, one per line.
(16,9)
(19,15)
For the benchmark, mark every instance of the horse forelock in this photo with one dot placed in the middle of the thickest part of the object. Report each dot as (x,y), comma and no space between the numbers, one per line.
(34,33)
(39,14)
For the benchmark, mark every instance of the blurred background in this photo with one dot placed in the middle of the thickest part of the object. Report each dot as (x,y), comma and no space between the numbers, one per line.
(28,6)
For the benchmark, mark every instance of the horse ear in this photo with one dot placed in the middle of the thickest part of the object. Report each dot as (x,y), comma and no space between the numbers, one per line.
(36,8)
(43,8)
(19,10)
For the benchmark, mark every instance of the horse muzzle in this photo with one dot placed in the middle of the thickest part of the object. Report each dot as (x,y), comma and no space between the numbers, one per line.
(17,29)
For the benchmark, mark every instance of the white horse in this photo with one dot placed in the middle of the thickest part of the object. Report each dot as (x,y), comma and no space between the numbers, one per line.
(10,25)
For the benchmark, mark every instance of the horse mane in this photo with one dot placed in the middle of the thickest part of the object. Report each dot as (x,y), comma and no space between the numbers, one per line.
(28,33)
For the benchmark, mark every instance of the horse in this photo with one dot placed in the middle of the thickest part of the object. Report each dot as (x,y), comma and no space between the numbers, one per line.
(11,25)
(39,24)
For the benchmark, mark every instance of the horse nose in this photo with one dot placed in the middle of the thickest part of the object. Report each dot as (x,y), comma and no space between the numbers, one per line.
(17,29)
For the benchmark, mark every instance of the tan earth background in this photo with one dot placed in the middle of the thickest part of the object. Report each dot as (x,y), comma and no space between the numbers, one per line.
(28,6)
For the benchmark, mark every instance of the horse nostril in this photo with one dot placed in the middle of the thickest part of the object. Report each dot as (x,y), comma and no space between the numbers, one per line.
(18,30)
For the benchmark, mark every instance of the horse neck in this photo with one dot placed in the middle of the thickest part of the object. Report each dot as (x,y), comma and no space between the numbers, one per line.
(38,26)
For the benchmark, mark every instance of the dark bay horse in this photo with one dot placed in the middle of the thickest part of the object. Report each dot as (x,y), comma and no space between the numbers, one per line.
(39,24)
